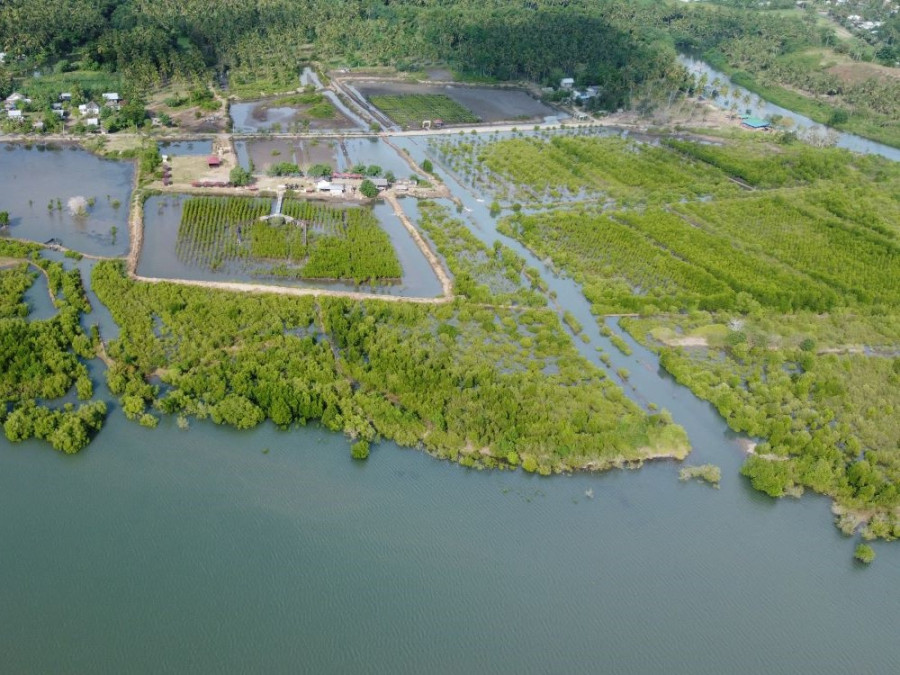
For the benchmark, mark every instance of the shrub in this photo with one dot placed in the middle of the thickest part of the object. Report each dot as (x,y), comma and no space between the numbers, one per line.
(360,450)
(864,554)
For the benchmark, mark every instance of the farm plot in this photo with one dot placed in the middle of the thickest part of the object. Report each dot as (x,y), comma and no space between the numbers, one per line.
(410,110)
(312,241)
(488,104)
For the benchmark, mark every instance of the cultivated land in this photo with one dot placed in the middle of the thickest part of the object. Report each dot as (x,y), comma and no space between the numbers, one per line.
(412,110)
(486,104)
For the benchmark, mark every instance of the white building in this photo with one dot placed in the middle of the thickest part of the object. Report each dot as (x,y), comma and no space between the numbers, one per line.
(567,83)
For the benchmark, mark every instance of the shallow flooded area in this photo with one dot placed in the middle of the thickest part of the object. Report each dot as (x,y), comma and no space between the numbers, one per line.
(375,151)
(66,194)
(488,104)
(306,152)
(186,148)
(162,216)
(250,117)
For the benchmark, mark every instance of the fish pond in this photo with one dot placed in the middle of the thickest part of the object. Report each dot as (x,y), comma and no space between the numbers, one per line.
(251,251)
(66,194)
(296,113)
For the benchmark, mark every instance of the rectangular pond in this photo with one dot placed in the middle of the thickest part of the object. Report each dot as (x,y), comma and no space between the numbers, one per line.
(159,259)
(268,151)
(249,117)
(186,148)
(66,194)
(487,103)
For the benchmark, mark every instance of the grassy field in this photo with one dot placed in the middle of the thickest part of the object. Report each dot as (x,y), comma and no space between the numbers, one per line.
(409,110)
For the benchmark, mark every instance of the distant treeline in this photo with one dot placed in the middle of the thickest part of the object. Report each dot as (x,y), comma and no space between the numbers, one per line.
(539,40)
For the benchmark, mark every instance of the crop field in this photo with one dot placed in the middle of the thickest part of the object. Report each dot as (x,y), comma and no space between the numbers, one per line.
(409,110)
(315,241)
(488,104)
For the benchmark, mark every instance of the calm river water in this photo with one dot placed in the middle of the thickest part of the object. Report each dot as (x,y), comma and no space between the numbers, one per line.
(163,550)
(212,550)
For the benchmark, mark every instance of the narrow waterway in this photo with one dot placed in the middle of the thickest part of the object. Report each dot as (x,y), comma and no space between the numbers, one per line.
(647,383)
(746,100)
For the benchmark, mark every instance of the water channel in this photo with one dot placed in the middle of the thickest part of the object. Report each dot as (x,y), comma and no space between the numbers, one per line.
(746,100)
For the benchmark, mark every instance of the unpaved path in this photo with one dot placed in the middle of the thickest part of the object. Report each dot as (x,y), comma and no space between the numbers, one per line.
(293,291)
(440,272)
(135,231)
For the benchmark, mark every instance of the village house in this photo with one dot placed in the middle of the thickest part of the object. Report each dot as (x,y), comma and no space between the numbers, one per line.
(16,115)
(567,83)
(346,184)
(65,96)
(754,123)
(13,99)
(213,161)
(92,121)
(380,183)
(111,99)
(323,185)
(89,108)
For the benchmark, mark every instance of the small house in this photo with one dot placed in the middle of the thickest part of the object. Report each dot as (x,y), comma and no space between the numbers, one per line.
(438,124)
(323,185)
(380,183)
(110,97)
(16,115)
(13,99)
(336,189)
(89,109)
(214,161)
(754,123)
(65,96)
(38,126)
(567,83)
(59,112)
(92,121)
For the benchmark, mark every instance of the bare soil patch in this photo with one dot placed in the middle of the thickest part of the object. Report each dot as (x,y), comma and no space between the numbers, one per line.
(856,72)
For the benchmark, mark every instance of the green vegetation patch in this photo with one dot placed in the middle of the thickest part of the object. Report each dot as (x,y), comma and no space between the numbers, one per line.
(310,240)
(546,168)
(822,390)
(777,303)
(480,273)
(41,360)
(466,382)
(410,110)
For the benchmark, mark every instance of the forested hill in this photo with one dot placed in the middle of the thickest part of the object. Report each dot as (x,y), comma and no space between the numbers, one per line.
(155,40)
